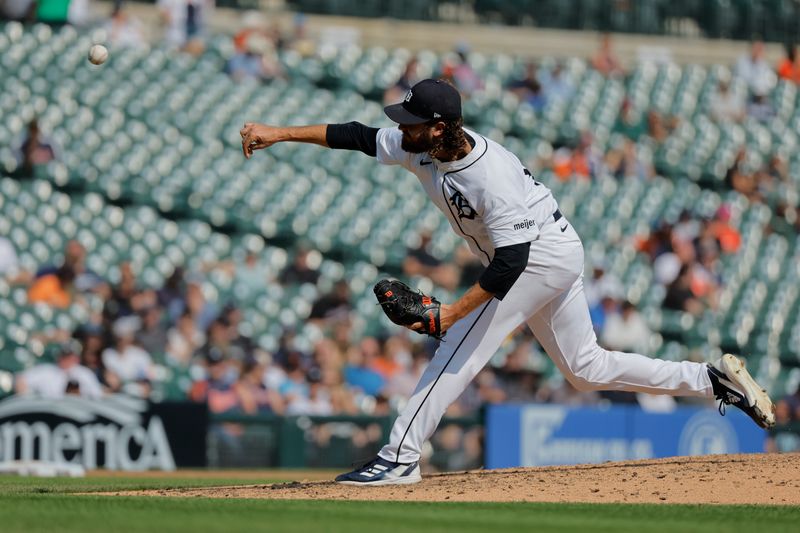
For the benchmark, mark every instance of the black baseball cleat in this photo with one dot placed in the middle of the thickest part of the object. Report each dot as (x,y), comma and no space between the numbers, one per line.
(733,385)
(379,471)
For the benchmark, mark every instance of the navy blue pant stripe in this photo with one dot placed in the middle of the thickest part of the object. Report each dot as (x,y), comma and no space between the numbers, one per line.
(400,446)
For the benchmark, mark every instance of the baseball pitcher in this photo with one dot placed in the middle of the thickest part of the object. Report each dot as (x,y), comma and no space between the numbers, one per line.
(534,263)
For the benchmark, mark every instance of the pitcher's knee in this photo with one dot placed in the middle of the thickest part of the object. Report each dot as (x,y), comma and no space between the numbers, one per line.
(589,375)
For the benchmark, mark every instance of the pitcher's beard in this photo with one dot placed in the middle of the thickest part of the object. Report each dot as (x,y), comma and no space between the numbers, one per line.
(419,146)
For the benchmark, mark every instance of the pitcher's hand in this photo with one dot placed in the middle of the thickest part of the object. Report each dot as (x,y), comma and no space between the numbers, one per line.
(258,136)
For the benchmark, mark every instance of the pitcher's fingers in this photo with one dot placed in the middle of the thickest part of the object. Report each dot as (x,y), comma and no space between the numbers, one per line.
(246,146)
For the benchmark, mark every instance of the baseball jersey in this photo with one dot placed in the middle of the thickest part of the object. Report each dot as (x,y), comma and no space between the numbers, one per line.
(489,197)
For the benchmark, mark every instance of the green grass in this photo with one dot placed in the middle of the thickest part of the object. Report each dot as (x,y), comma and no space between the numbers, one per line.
(30,505)
(13,485)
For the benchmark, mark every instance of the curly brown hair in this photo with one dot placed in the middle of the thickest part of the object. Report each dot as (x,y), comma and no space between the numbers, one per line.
(452,139)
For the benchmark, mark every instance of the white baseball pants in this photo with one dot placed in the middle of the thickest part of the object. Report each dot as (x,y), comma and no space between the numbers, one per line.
(549,297)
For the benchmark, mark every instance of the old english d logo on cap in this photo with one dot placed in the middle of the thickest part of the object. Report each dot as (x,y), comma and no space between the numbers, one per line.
(427,100)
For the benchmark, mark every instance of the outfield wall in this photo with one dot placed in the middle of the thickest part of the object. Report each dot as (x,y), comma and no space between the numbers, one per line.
(121,433)
(539,435)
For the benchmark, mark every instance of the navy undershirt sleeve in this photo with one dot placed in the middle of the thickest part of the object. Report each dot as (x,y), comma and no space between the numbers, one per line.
(353,136)
(507,265)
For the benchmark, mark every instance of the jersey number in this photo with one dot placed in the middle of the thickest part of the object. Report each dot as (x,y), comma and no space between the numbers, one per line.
(528,173)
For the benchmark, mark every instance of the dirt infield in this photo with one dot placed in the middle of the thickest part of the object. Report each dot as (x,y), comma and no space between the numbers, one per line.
(720,479)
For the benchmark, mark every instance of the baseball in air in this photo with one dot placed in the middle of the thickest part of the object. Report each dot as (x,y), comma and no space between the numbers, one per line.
(98,54)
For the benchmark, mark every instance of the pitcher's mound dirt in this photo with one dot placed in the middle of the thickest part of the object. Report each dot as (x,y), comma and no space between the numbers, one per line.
(728,479)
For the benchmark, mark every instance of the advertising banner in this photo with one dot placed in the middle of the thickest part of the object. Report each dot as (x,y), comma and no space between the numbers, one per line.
(115,432)
(539,435)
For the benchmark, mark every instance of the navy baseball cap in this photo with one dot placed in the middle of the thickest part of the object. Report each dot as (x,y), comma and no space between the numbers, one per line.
(427,100)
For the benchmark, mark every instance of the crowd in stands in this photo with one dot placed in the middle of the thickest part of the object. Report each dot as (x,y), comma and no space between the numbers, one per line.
(143,331)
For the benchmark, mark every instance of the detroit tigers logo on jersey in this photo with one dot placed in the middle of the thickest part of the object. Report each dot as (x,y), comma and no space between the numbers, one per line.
(464,209)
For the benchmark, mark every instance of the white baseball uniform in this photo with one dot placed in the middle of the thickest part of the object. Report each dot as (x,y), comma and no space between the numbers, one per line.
(491,200)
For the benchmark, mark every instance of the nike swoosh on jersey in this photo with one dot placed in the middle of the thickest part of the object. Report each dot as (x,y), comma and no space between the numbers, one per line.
(564,228)
(425,162)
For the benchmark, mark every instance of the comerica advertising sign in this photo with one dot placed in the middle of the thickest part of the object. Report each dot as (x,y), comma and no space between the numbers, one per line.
(115,432)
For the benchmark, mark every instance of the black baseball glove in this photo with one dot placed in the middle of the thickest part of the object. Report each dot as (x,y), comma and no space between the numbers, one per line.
(404,306)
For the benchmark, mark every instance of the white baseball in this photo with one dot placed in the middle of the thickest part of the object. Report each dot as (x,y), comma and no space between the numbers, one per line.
(98,54)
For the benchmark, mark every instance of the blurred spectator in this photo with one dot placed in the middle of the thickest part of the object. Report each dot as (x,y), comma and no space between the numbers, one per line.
(53,289)
(358,372)
(258,61)
(253,23)
(408,79)
(658,242)
(304,392)
(555,85)
(726,105)
(242,345)
(599,313)
(35,150)
(705,272)
(755,70)
(789,67)
(153,335)
(792,402)
(626,330)
(659,127)
(403,383)
(390,359)
(605,61)
(468,264)
(328,358)
(485,388)
(630,122)
(602,284)
(679,295)
(52,380)
(334,305)
(170,295)
(80,13)
(782,439)
(585,161)
(216,387)
(466,80)
(304,268)
(218,340)
(91,337)
(129,362)
(18,10)
(183,340)
(420,262)
(299,40)
(687,228)
(185,23)
(123,30)
(455,449)
(253,397)
(75,259)
(519,376)
(625,161)
(121,302)
(194,302)
(720,228)
(742,178)
(760,108)
(287,350)
(528,89)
